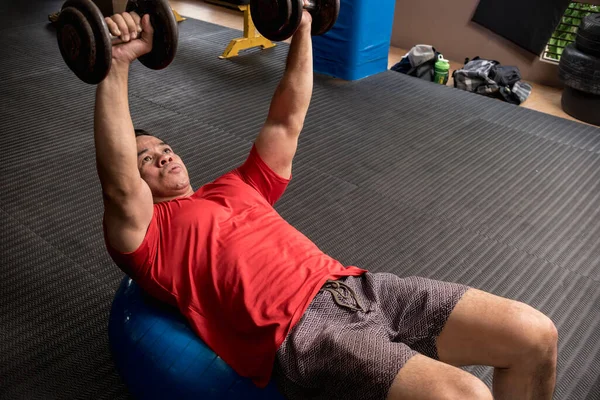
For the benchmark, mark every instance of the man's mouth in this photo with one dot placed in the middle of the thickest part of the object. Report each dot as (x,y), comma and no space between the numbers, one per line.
(174,168)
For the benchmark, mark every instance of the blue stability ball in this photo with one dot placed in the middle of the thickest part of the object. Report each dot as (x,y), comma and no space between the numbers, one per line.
(159,356)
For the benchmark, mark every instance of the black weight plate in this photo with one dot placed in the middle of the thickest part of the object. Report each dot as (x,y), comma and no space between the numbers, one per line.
(166,31)
(325,15)
(294,22)
(271,17)
(76,42)
(85,24)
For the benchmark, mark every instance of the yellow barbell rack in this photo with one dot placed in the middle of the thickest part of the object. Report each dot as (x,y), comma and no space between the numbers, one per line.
(252,38)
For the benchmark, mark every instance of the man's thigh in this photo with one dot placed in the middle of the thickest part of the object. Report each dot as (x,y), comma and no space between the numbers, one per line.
(423,378)
(485,329)
(416,309)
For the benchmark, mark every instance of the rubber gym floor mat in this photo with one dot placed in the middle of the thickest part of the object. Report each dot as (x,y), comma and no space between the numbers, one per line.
(14,14)
(53,344)
(392,174)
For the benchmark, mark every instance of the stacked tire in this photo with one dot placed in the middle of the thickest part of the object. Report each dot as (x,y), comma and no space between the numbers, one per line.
(579,70)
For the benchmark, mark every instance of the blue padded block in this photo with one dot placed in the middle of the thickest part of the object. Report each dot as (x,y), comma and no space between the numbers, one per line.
(358,44)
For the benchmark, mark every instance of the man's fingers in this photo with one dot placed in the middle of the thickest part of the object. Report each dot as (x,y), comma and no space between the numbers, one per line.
(118,18)
(112,27)
(131,25)
(137,19)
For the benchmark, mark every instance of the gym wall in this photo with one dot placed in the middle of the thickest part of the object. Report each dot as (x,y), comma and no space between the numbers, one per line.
(447,25)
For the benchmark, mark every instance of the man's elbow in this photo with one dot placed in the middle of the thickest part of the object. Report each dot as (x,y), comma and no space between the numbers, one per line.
(114,195)
(289,125)
(294,127)
(118,193)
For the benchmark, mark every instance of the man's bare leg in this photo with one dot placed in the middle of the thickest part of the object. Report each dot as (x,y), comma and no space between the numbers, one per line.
(519,341)
(423,378)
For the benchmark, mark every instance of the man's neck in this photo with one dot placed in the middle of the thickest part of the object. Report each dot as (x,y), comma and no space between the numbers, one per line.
(187,193)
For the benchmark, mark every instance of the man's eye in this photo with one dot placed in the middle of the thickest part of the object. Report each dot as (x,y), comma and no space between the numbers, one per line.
(168,151)
(147,159)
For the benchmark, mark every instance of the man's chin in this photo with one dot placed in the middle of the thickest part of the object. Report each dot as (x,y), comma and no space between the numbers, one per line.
(180,187)
(175,180)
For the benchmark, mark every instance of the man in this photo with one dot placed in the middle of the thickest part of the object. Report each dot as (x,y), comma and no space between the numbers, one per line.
(265,298)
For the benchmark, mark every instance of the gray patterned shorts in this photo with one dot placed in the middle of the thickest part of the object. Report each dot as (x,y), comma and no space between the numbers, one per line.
(358,332)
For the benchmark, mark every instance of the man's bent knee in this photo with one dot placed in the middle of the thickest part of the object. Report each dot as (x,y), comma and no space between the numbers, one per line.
(547,334)
(540,339)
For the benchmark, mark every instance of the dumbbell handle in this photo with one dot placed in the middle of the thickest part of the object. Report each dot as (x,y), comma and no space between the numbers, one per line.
(310,6)
(115,40)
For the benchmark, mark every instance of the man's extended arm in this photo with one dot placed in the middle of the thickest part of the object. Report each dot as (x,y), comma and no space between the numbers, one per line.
(114,135)
(278,139)
(127,198)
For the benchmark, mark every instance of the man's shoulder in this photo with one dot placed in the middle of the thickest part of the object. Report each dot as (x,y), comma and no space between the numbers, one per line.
(230,180)
(232,177)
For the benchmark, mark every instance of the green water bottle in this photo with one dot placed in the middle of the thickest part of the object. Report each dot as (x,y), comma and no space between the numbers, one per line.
(442,70)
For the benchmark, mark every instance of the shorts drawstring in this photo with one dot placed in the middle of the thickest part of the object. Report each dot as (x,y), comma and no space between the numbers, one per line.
(342,295)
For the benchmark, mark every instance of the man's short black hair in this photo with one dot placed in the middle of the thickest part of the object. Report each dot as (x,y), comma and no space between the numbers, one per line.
(141,132)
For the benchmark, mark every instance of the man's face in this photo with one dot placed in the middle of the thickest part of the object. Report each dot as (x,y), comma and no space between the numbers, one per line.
(161,168)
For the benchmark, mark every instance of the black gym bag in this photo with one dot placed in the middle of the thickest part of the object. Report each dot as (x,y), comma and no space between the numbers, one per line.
(489,78)
(419,62)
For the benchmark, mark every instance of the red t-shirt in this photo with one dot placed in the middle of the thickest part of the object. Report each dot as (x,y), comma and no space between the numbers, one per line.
(240,273)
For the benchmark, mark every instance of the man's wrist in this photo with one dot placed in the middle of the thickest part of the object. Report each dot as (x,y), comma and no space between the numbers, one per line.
(119,72)
(120,67)
(305,27)
(118,76)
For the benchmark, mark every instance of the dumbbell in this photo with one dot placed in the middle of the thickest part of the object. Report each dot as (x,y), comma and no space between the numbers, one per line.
(278,19)
(85,41)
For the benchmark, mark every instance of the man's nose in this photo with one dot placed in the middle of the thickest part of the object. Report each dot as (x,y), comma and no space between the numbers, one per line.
(165,159)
